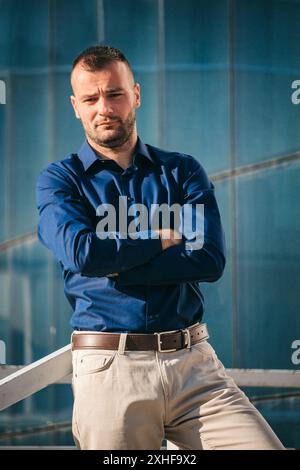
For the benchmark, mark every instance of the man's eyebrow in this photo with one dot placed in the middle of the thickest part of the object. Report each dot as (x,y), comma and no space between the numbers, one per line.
(108,90)
(88,96)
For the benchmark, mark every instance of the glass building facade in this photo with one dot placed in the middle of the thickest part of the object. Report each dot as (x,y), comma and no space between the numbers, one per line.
(216,79)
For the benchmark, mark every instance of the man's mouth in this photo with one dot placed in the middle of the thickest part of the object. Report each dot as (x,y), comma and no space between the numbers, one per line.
(107,123)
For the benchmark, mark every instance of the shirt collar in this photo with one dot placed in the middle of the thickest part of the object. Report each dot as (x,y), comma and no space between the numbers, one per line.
(88,156)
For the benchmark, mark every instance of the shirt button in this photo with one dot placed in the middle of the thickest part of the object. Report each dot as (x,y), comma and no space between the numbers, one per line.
(130,199)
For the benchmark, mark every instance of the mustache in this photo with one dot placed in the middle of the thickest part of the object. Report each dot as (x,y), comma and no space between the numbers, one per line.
(104,121)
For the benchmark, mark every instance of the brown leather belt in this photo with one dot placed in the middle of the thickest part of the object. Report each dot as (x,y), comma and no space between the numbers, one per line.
(163,342)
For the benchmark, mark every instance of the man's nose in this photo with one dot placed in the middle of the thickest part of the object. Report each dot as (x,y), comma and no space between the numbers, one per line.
(104,106)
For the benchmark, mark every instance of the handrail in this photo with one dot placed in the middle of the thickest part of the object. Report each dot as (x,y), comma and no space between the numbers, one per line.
(32,378)
(57,368)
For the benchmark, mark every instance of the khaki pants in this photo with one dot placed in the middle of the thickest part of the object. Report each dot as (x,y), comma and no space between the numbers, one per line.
(132,400)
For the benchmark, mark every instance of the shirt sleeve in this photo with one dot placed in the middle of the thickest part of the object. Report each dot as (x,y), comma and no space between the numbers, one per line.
(67,228)
(180,263)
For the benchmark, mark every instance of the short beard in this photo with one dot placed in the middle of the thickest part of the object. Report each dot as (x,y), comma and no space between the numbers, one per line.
(122,136)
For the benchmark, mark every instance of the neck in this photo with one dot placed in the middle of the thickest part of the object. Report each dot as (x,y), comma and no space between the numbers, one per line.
(121,155)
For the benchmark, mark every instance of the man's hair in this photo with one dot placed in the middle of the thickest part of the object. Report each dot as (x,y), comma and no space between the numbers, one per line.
(96,57)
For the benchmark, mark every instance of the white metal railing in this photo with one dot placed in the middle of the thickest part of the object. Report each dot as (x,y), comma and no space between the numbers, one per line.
(30,379)
(19,382)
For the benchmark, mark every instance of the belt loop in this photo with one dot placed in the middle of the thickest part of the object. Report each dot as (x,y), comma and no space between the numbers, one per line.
(72,346)
(122,343)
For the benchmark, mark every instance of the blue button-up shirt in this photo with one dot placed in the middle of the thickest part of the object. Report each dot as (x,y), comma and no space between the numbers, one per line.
(156,290)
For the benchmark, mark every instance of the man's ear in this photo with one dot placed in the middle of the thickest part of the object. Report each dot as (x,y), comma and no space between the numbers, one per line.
(73,101)
(137,92)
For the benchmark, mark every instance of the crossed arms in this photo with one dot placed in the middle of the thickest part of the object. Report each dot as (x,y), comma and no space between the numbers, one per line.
(67,228)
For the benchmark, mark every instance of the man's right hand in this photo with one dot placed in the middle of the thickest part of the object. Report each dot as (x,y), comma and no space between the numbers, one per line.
(169,237)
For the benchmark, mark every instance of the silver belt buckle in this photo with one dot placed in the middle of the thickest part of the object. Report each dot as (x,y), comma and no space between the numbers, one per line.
(187,338)
(159,344)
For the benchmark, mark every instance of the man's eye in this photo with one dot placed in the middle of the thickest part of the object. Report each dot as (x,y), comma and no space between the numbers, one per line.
(112,95)
(89,100)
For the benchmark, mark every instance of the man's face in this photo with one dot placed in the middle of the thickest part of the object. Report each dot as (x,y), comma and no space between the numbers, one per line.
(105,101)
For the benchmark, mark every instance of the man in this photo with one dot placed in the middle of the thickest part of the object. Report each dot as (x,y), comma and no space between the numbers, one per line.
(142,366)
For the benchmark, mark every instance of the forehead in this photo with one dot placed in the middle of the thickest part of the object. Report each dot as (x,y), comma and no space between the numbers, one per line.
(112,75)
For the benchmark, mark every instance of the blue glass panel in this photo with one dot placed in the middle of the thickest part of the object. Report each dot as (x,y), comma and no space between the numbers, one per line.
(267,62)
(5,36)
(69,137)
(284,417)
(196,33)
(197,86)
(132,27)
(197,116)
(23,33)
(267,122)
(268,253)
(148,115)
(267,33)
(61,436)
(29,303)
(74,28)
(27,148)
(34,321)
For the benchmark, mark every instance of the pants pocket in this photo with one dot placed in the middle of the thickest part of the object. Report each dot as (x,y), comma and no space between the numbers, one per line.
(94,362)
